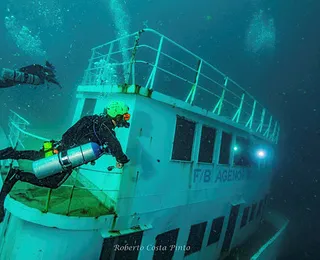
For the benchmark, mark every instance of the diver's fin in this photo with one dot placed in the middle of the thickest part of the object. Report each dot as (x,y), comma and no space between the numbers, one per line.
(49,65)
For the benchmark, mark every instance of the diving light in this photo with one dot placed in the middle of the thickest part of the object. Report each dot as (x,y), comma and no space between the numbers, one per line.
(261,153)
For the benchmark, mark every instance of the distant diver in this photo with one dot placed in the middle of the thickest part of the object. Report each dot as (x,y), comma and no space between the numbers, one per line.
(34,74)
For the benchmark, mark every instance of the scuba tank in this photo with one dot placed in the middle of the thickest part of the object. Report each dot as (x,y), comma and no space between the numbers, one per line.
(20,77)
(66,160)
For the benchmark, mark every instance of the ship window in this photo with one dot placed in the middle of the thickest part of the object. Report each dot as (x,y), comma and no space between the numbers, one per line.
(195,238)
(253,211)
(121,247)
(208,136)
(242,152)
(263,205)
(245,217)
(165,245)
(260,208)
(216,229)
(225,148)
(266,199)
(88,107)
(183,139)
(269,159)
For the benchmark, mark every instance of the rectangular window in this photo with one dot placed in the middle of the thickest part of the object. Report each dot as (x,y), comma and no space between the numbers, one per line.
(195,238)
(109,248)
(242,152)
(216,229)
(166,242)
(225,148)
(269,156)
(260,207)
(266,199)
(245,217)
(208,136)
(232,221)
(183,139)
(253,211)
(88,107)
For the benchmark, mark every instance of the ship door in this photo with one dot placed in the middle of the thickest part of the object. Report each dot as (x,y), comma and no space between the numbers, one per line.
(230,229)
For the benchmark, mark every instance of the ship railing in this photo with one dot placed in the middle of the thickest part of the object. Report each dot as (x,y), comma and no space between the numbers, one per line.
(71,198)
(151,60)
(17,125)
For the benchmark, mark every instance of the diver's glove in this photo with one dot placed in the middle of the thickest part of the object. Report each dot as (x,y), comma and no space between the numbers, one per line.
(123,159)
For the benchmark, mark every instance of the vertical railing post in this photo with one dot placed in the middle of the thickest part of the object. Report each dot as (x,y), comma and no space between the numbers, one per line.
(46,209)
(193,90)
(267,132)
(133,71)
(274,132)
(278,133)
(133,59)
(259,128)
(109,53)
(220,102)
(70,200)
(249,123)
(156,63)
(238,113)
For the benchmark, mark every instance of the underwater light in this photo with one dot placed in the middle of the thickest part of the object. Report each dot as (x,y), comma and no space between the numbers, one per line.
(235,148)
(261,153)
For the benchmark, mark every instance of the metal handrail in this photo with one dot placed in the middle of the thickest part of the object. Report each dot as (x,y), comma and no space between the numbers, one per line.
(29,134)
(248,111)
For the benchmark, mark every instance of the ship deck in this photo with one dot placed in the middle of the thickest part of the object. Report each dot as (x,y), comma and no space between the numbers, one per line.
(71,199)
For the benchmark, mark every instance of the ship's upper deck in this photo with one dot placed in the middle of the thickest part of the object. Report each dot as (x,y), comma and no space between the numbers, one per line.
(150,60)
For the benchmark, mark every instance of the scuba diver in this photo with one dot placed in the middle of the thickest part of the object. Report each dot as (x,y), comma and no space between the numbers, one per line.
(34,74)
(97,129)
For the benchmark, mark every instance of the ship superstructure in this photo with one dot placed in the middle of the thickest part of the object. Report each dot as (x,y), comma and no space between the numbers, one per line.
(201,150)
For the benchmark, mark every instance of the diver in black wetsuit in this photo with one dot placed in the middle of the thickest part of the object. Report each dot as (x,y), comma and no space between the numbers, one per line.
(34,74)
(97,129)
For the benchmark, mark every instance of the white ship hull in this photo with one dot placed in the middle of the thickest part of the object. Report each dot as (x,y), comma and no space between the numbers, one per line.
(190,190)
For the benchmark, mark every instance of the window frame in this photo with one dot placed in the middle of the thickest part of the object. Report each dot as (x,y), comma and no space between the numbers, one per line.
(198,247)
(213,146)
(247,209)
(252,212)
(157,254)
(247,153)
(209,243)
(230,149)
(193,140)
